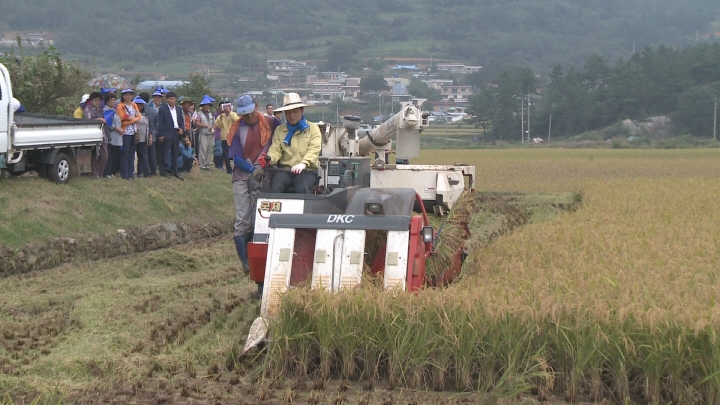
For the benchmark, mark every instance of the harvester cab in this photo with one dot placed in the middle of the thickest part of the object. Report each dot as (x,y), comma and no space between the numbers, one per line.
(368,216)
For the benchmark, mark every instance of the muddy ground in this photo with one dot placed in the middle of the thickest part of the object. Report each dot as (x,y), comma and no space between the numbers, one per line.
(167,327)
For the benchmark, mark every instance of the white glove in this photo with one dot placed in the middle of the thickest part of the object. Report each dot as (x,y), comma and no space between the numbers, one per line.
(298,168)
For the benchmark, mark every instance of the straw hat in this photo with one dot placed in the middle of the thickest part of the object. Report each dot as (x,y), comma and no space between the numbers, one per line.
(291,101)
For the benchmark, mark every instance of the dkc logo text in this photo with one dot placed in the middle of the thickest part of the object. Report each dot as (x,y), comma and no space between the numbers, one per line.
(340,219)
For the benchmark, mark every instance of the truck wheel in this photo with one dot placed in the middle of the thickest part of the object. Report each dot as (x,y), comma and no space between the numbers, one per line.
(59,171)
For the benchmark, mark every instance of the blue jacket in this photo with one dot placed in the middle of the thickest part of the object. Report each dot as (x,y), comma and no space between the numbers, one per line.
(184,153)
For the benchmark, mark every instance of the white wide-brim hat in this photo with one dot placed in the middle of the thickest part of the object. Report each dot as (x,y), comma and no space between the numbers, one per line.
(291,101)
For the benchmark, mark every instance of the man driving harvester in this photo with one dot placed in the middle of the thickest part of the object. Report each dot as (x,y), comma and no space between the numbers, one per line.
(296,146)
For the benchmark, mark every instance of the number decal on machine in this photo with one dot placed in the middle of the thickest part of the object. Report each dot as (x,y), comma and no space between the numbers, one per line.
(271,206)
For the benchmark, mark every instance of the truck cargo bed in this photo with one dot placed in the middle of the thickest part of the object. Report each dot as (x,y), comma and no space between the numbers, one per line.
(44,131)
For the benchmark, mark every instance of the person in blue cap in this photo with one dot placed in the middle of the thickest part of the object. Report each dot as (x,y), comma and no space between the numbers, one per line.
(206,126)
(248,140)
(142,139)
(157,98)
(153,123)
(129,114)
(103,92)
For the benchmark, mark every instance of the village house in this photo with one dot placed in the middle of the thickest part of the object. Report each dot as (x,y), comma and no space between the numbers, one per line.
(462,91)
(438,83)
(399,93)
(33,39)
(457,68)
(327,90)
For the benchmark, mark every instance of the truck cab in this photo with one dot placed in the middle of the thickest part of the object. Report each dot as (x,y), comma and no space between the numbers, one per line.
(6,112)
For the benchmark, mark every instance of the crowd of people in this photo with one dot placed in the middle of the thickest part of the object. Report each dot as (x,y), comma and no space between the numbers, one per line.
(141,141)
(144,136)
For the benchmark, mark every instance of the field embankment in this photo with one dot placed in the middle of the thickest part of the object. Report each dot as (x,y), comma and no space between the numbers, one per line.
(34,209)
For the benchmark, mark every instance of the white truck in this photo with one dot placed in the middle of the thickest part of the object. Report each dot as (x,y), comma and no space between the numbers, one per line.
(55,147)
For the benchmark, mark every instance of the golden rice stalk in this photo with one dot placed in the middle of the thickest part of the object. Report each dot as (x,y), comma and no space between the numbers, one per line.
(452,234)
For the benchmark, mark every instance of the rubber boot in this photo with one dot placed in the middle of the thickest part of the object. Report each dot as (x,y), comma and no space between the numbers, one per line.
(258,295)
(241,247)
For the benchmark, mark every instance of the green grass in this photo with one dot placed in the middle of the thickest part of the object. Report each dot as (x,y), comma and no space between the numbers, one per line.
(35,209)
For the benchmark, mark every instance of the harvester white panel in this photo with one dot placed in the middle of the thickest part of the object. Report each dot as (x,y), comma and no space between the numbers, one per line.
(273,206)
(423,182)
(328,246)
(349,274)
(396,259)
(277,269)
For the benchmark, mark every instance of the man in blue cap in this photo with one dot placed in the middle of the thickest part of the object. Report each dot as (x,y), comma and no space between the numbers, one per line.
(206,127)
(153,124)
(152,108)
(249,140)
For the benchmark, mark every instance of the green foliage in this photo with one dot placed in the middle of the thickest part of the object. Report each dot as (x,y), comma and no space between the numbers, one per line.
(695,109)
(44,83)
(196,87)
(242,61)
(537,32)
(420,89)
(342,56)
(681,83)
(373,81)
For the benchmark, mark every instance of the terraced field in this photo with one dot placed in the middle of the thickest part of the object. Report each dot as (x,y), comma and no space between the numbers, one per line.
(592,278)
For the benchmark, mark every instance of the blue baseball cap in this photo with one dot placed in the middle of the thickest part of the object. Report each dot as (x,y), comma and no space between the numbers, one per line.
(139,100)
(245,105)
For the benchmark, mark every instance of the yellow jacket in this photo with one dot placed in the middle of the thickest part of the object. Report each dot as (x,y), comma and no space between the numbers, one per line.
(79,113)
(225,122)
(304,147)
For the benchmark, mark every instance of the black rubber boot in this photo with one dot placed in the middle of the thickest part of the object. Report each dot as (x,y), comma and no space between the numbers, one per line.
(258,294)
(241,247)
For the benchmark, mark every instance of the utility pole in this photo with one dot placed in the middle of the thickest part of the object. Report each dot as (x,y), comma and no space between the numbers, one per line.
(715,121)
(549,129)
(522,119)
(528,130)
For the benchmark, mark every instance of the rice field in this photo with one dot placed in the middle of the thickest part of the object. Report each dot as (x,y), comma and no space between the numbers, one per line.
(616,302)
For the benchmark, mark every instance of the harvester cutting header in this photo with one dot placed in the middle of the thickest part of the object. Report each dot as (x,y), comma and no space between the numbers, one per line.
(365,216)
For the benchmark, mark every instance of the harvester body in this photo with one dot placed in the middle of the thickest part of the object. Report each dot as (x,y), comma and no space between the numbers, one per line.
(322,239)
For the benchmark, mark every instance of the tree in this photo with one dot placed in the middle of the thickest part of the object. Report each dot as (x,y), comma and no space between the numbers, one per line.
(341,56)
(44,83)
(694,112)
(242,61)
(373,82)
(195,87)
(420,89)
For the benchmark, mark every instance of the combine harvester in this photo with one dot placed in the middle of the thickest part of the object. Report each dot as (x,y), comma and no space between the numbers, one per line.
(321,238)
